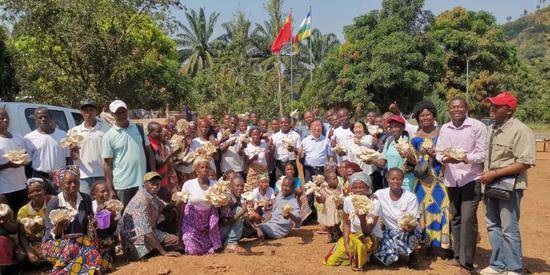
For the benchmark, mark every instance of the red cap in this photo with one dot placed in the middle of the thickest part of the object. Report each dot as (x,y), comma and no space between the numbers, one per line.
(504,98)
(395,118)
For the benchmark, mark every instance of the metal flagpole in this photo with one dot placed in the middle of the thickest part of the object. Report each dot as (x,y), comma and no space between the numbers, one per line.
(279,95)
(291,54)
(310,52)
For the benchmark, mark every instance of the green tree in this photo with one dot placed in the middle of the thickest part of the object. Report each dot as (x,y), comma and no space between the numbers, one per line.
(195,40)
(8,83)
(70,50)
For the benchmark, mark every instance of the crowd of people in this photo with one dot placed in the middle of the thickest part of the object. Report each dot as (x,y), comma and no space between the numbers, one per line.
(431,175)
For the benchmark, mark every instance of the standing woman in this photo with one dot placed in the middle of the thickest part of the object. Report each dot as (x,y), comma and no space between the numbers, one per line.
(361,138)
(256,156)
(391,157)
(199,226)
(70,245)
(430,191)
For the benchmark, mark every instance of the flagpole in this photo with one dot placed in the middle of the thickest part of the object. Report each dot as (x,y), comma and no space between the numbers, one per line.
(279,94)
(310,54)
(291,58)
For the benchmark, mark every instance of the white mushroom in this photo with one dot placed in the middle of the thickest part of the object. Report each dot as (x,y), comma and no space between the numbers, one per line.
(180,197)
(62,214)
(17,156)
(72,140)
(247,196)
(4,209)
(287,208)
(367,154)
(114,205)
(402,145)
(408,221)
(362,204)
(218,194)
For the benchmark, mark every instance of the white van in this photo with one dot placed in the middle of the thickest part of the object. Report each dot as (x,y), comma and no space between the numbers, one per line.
(22,116)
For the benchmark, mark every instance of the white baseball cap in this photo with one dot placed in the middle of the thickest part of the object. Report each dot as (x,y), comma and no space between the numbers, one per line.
(117,104)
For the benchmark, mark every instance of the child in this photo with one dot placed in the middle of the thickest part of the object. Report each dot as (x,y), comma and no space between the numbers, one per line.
(31,238)
(8,226)
(327,203)
(290,172)
(263,194)
(281,222)
(108,237)
(232,218)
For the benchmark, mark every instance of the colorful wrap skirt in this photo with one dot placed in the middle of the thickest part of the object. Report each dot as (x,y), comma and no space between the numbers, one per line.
(396,243)
(361,247)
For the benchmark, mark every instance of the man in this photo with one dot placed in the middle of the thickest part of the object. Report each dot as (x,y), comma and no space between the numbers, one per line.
(275,126)
(253,119)
(12,175)
(343,133)
(213,120)
(163,158)
(511,152)
(139,231)
(370,118)
(44,149)
(126,151)
(226,121)
(410,128)
(262,124)
(460,178)
(286,153)
(90,161)
(232,149)
(303,128)
(271,167)
(316,150)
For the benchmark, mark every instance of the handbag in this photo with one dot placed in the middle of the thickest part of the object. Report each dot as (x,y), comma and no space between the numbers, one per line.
(501,188)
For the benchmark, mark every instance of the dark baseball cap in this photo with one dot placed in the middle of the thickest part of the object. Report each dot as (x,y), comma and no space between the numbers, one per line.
(87,103)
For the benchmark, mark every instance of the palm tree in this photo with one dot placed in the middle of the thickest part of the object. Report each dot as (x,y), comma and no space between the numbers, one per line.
(321,44)
(194,41)
(264,34)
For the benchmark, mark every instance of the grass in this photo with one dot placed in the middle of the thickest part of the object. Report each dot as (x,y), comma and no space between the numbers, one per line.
(539,126)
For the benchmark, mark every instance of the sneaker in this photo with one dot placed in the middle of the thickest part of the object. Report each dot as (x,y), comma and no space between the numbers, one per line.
(491,271)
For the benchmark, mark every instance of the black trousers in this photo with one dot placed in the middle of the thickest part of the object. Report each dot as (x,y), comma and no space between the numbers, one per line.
(309,171)
(16,199)
(464,202)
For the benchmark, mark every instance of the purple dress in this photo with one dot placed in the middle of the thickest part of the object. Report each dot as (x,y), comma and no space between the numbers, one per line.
(201,234)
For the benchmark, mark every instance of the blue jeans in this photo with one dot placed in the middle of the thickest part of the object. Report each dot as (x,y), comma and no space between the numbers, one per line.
(502,219)
(231,234)
(86,184)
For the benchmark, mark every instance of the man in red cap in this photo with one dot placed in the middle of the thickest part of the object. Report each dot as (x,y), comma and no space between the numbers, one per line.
(511,151)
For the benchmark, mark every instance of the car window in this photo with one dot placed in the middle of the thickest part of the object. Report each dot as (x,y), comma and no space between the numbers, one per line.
(77,117)
(58,116)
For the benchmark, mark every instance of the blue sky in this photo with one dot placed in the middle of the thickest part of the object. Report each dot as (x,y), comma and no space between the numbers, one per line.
(333,15)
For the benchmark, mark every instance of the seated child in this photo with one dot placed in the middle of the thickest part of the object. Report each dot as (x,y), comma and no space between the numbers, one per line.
(263,195)
(327,202)
(30,237)
(232,217)
(108,237)
(281,222)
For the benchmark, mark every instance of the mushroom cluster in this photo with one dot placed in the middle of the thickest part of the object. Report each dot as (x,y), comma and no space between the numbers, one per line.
(339,150)
(18,157)
(287,208)
(362,204)
(72,140)
(407,221)
(4,209)
(207,149)
(367,154)
(287,143)
(28,223)
(180,197)
(374,130)
(62,214)
(456,153)
(218,194)
(402,145)
(113,205)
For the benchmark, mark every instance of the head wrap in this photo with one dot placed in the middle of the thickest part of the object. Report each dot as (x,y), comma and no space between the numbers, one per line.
(61,173)
(33,180)
(362,177)
(263,177)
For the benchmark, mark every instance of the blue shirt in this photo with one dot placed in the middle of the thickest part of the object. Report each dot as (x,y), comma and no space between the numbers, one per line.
(316,150)
(125,147)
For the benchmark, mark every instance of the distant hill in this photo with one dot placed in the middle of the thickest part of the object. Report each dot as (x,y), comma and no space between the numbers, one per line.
(531,35)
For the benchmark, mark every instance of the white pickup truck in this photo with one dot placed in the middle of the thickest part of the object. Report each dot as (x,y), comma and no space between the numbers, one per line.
(22,116)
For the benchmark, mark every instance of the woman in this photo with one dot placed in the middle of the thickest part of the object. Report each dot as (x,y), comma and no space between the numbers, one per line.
(361,138)
(204,137)
(391,157)
(360,238)
(256,157)
(71,245)
(199,227)
(391,205)
(30,238)
(428,185)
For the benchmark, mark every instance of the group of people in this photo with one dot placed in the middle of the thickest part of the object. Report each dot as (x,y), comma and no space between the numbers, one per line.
(163,177)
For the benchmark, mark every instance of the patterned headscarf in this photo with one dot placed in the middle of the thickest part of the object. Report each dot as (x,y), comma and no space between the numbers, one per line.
(61,173)
(362,177)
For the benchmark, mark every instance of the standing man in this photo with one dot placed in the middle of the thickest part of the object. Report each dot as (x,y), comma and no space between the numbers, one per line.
(304,128)
(343,133)
(126,151)
(370,118)
(286,153)
(213,120)
(253,119)
(511,152)
(163,159)
(44,149)
(12,175)
(232,149)
(90,161)
(461,177)
(316,150)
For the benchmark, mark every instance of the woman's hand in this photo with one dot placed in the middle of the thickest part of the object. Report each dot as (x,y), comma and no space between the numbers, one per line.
(33,256)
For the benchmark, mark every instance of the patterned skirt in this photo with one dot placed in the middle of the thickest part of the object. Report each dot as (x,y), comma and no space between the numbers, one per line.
(362,249)
(396,243)
(254,170)
(200,231)
(74,254)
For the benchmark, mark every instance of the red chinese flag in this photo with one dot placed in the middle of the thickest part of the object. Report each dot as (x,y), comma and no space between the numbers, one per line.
(284,36)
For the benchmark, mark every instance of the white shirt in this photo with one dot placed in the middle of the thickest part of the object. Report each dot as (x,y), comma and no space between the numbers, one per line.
(281,153)
(230,159)
(90,161)
(391,211)
(196,194)
(198,142)
(252,149)
(352,148)
(12,179)
(342,136)
(269,194)
(44,150)
(355,222)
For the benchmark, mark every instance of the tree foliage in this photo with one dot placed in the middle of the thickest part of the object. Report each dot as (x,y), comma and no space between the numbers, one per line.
(8,82)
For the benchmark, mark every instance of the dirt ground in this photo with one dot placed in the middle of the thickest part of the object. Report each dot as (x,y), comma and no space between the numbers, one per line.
(302,252)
